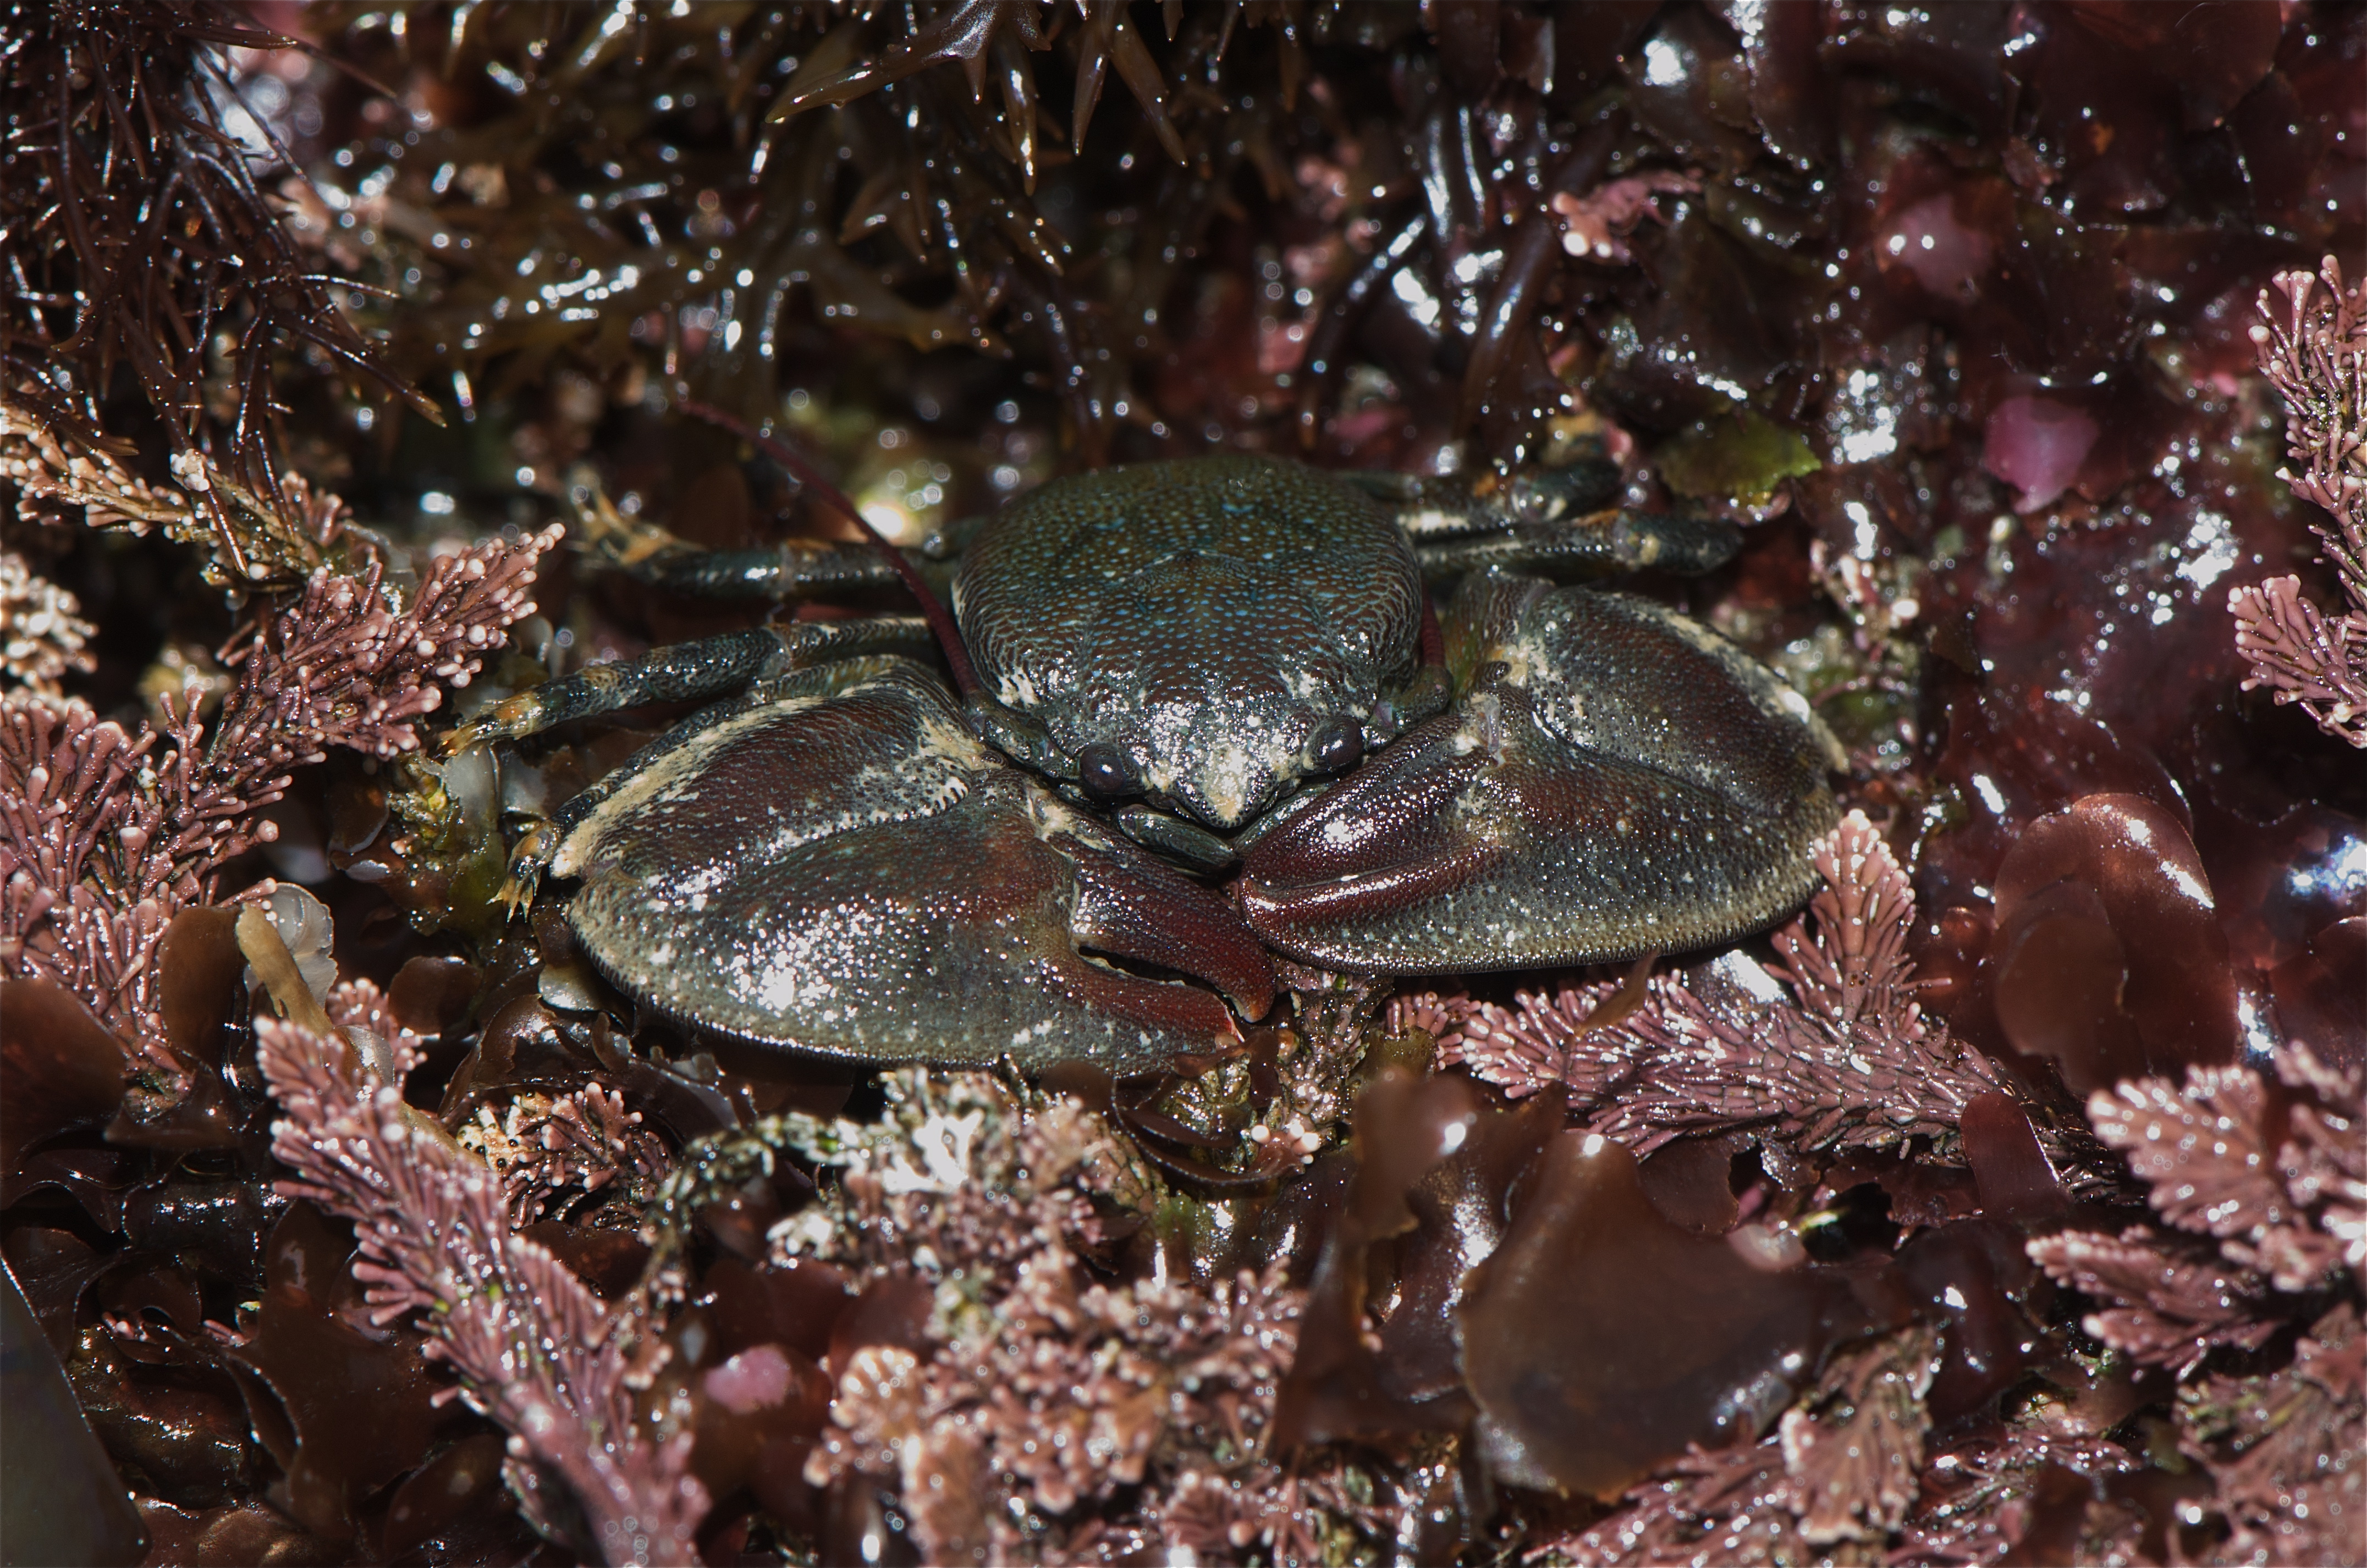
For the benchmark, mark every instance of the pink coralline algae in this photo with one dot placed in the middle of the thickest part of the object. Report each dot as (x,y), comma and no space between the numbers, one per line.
(103,834)
(1828,1051)
(2316,356)
(534,1348)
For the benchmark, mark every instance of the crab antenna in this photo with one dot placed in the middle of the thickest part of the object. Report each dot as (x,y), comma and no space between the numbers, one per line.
(1433,644)
(940,620)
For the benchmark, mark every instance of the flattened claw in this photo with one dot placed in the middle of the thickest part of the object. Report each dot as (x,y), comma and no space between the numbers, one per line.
(1616,780)
(849,872)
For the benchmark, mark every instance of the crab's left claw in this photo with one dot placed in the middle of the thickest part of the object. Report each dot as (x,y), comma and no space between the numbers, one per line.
(836,866)
(1616,780)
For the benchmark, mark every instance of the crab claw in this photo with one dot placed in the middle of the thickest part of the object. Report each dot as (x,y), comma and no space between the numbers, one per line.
(845,870)
(1616,780)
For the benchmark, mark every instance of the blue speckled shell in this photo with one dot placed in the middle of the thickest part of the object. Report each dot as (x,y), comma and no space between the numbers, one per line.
(1205,617)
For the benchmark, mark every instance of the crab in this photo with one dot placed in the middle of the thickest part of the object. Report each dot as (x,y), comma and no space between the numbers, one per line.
(1205,712)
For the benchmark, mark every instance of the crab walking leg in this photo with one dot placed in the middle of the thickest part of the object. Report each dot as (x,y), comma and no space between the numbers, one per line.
(685,672)
(833,864)
(1592,545)
(792,569)
(795,569)
(1616,780)
(1560,523)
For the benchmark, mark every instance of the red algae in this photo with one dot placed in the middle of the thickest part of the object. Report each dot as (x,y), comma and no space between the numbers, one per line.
(59,1067)
(1342,1386)
(2108,951)
(309,1358)
(2036,444)
(1599,1340)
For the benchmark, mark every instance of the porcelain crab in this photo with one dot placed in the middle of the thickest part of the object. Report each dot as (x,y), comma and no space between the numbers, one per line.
(1205,710)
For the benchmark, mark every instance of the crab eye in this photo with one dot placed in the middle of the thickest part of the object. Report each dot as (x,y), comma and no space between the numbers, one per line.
(1337,746)
(1107,773)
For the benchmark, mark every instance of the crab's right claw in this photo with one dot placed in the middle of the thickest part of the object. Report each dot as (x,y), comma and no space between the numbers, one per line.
(847,871)
(1616,780)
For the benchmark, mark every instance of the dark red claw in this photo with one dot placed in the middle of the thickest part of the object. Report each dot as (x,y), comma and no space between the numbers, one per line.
(1272,909)
(1138,908)
(1385,811)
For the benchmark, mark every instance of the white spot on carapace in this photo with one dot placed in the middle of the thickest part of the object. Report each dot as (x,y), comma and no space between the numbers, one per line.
(1224,781)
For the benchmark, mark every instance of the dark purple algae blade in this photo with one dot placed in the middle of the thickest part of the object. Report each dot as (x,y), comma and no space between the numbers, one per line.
(1600,1339)
(63,1501)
